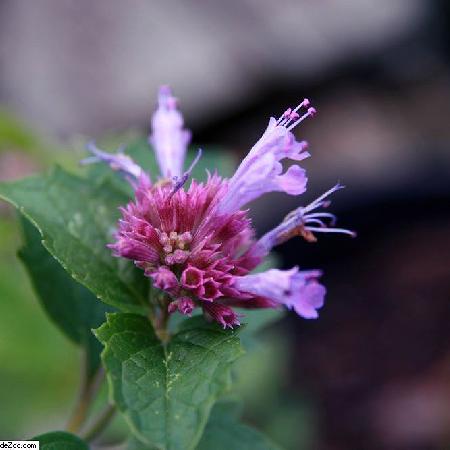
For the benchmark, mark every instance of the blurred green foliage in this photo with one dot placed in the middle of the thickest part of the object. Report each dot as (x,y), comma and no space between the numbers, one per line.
(39,366)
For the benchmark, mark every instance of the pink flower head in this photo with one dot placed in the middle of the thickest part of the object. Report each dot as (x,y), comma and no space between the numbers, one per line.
(196,243)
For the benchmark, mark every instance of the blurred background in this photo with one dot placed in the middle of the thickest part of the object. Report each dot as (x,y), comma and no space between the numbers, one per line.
(373,373)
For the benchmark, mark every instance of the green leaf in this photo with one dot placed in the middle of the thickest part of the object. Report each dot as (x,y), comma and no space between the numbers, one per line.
(60,440)
(225,432)
(76,218)
(71,306)
(166,392)
(136,444)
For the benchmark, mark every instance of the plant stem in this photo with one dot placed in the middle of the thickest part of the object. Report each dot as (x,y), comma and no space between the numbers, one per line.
(99,423)
(89,388)
(161,321)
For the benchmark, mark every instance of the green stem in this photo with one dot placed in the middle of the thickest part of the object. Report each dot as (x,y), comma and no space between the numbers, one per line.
(99,423)
(89,388)
(162,320)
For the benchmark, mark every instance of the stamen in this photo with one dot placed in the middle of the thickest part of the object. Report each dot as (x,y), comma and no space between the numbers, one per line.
(194,162)
(311,111)
(332,230)
(291,114)
(325,215)
(294,116)
(178,184)
(304,104)
(284,116)
(316,221)
(298,223)
(318,201)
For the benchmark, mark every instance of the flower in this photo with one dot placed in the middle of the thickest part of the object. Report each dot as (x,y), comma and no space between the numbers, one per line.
(294,289)
(196,243)
(168,137)
(301,222)
(261,170)
(117,162)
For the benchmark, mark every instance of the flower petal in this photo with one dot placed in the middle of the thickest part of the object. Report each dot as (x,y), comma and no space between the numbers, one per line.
(294,289)
(168,137)
(261,171)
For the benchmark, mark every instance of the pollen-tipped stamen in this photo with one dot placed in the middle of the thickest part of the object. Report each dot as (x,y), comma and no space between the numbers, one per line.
(320,201)
(310,113)
(291,114)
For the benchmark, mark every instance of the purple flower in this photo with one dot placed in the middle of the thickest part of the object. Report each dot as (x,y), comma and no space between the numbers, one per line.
(302,222)
(118,162)
(197,244)
(261,170)
(294,289)
(168,137)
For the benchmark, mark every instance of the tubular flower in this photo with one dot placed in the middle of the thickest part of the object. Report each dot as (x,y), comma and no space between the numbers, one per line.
(294,289)
(117,162)
(301,222)
(261,170)
(168,137)
(195,242)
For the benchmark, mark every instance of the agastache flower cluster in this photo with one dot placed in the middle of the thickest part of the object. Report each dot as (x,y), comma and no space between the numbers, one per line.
(196,243)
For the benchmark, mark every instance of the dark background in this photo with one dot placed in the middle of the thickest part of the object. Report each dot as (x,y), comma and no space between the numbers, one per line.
(374,371)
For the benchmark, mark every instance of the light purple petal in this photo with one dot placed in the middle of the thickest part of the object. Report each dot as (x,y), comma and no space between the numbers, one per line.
(261,170)
(313,294)
(168,137)
(294,289)
(117,162)
(293,181)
